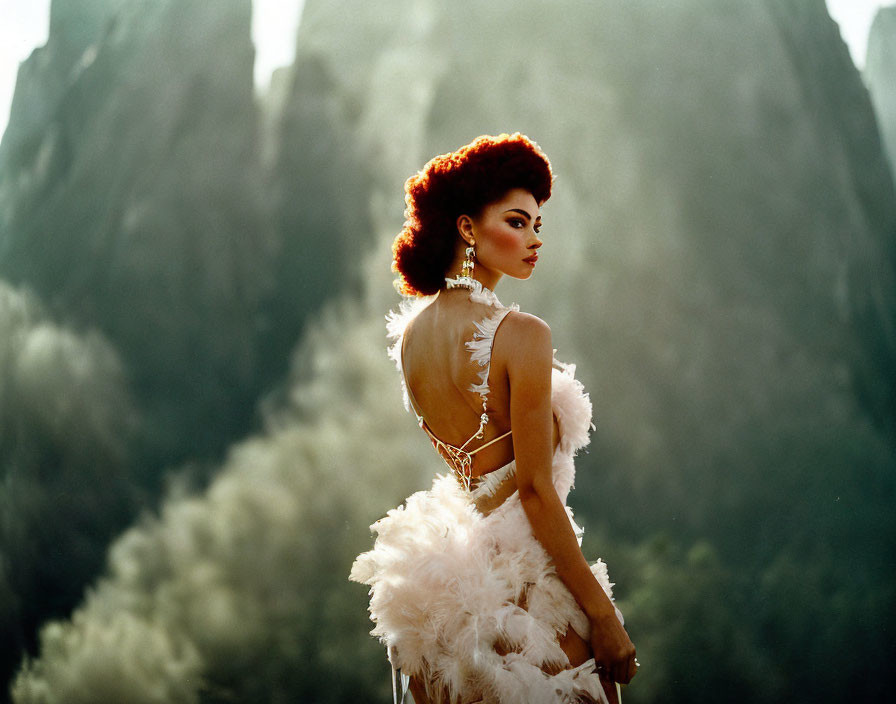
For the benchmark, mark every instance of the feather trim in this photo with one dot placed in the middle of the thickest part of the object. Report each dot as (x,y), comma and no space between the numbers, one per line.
(481,346)
(572,406)
(396,323)
(478,292)
(487,484)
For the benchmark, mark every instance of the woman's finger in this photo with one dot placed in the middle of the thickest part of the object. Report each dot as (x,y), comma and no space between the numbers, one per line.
(625,670)
(620,672)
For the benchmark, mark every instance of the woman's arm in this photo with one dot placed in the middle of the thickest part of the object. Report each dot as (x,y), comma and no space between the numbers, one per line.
(528,362)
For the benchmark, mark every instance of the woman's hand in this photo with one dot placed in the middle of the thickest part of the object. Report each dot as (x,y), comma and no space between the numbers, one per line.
(613,650)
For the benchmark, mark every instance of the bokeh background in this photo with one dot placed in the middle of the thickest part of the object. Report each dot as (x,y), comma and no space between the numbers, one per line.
(198,420)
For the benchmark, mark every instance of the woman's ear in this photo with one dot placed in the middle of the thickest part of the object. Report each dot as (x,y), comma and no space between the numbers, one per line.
(465,228)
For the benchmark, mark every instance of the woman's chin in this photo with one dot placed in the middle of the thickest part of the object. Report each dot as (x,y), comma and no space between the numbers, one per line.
(522,274)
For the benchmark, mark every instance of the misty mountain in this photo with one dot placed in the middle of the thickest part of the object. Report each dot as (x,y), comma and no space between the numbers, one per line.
(124,208)
(135,203)
(880,64)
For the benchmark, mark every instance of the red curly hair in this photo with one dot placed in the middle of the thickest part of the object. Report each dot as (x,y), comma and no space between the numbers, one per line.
(454,184)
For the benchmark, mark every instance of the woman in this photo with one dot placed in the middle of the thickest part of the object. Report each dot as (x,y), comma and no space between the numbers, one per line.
(479,587)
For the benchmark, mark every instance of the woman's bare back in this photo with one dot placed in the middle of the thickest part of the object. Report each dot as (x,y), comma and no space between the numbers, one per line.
(439,373)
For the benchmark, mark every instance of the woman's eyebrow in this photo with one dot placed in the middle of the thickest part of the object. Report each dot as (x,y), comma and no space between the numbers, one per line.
(521,212)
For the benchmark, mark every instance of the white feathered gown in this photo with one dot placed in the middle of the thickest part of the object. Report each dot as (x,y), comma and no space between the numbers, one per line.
(446,582)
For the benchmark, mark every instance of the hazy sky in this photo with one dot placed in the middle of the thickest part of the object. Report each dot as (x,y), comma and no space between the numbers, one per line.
(23,26)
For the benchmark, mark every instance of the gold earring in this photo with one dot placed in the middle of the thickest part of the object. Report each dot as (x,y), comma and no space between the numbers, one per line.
(466,270)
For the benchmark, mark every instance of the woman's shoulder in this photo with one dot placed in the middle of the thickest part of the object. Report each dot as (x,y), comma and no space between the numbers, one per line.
(398,320)
(523,336)
(523,326)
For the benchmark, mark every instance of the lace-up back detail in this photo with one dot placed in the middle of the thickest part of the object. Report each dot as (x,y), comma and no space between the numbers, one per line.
(460,458)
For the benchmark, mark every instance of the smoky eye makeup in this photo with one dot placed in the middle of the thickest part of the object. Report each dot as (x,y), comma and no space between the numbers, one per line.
(518,219)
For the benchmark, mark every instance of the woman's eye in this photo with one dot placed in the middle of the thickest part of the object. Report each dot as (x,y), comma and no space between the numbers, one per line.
(517,222)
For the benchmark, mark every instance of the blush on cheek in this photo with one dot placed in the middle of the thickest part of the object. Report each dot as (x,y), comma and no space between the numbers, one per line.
(506,241)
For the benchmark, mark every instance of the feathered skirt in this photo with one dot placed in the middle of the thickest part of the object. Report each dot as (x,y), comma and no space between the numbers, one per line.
(472,603)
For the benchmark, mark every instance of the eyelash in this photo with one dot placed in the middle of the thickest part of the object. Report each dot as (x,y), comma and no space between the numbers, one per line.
(522,223)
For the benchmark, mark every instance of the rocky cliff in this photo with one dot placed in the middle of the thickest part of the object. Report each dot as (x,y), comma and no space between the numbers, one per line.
(136,207)
(122,208)
(880,67)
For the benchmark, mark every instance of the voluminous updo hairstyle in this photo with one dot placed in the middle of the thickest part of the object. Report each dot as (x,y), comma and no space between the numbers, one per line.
(454,184)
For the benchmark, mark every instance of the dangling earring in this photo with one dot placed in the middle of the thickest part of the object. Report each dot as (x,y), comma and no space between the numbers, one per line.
(466,269)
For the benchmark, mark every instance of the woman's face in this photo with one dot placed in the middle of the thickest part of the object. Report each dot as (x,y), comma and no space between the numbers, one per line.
(506,235)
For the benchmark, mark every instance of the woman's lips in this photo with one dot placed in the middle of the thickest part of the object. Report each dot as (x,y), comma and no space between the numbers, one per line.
(532,259)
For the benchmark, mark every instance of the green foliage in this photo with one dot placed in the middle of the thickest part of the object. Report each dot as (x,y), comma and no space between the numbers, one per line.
(66,423)
(242,593)
(685,614)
